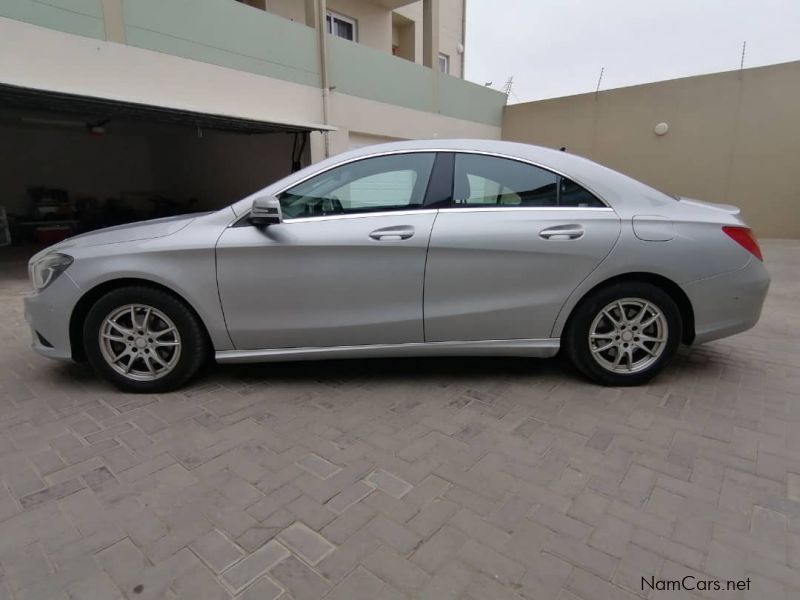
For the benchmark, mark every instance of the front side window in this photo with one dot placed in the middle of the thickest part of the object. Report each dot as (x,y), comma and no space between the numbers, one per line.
(383,183)
(481,180)
(341,26)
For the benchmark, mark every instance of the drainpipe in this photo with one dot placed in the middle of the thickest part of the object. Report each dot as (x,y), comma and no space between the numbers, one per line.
(323,70)
(463,38)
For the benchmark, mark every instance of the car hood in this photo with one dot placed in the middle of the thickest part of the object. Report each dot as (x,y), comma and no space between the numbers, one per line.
(130,232)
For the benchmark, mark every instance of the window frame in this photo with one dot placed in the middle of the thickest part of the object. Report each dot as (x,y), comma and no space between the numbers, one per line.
(493,207)
(446,58)
(435,173)
(430,204)
(330,16)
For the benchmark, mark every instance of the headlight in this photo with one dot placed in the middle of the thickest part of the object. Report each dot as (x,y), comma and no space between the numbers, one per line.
(45,270)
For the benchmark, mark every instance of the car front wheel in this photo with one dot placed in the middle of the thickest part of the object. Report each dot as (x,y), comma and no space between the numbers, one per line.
(144,340)
(624,334)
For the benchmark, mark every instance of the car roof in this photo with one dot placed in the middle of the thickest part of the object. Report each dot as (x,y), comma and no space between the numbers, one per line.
(623,193)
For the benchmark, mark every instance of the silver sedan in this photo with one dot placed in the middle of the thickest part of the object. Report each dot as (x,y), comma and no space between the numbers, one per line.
(459,247)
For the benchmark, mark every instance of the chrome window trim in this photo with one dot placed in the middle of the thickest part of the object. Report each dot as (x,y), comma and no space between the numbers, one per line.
(425,151)
(363,215)
(507,207)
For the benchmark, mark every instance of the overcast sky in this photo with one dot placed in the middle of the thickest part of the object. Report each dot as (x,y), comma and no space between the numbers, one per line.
(557,47)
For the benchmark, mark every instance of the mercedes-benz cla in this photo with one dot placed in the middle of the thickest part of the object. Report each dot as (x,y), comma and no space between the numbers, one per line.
(460,247)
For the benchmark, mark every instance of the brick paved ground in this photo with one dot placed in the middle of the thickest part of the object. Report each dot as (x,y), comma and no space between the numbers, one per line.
(481,479)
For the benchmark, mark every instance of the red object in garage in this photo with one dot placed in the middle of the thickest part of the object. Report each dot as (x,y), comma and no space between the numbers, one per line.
(52,234)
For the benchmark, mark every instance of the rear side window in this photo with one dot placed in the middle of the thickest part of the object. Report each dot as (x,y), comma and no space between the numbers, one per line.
(571,194)
(481,180)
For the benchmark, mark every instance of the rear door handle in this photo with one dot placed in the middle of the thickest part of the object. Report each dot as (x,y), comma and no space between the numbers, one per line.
(563,232)
(392,234)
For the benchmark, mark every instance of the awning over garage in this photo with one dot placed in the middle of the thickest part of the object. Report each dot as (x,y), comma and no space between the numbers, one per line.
(104,109)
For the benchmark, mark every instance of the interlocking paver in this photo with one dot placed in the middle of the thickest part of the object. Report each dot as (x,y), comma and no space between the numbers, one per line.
(388,483)
(348,555)
(486,560)
(560,523)
(311,512)
(316,465)
(793,486)
(299,580)
(358,585)
(348,523)
(437,550)
(248,569)
(349,496)
(305,542)
(216,550)
(263,589)
(397,571)
(54,492)
(470,479)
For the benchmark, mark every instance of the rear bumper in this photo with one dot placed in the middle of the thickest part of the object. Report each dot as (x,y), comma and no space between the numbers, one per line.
(48,313)
(728,303)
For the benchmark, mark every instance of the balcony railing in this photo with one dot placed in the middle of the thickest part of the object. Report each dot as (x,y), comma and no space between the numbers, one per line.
(225,33)
(358,70)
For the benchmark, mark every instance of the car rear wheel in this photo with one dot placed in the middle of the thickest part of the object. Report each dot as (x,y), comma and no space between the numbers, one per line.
(623,334)
(144,340)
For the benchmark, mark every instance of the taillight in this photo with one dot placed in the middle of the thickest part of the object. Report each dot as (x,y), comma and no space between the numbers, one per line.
(745,238)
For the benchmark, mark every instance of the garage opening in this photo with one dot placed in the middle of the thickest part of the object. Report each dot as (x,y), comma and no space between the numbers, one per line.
(70,164)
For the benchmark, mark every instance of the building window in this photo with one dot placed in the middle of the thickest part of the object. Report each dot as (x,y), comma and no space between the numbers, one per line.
(341,26)
(444,63)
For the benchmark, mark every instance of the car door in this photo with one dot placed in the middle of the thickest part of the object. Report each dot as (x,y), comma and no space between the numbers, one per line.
(514,242)
(344,267)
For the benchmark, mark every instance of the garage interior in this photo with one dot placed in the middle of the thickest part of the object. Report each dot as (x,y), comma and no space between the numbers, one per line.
(71,164)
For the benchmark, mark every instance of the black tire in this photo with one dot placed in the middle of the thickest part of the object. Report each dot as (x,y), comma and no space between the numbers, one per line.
(193,338)
(575,338)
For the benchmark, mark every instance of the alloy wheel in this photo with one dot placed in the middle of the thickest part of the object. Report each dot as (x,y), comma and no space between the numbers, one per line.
(628,335)
(140,342)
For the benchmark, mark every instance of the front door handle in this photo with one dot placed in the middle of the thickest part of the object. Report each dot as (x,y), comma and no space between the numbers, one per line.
(392,234)
(562,232)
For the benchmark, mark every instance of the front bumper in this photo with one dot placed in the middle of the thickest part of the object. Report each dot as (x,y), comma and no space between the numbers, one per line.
(728,303)
(48,312)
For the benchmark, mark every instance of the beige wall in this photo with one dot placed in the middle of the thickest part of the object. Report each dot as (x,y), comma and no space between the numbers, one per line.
(375,24)
(733,137)
(451,26)
(451,21)
(374,21)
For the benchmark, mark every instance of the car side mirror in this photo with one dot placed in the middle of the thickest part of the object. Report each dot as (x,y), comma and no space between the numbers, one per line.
(266,210)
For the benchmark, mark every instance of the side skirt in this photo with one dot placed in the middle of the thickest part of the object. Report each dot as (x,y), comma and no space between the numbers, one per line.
(538,348)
